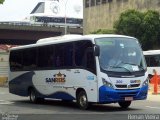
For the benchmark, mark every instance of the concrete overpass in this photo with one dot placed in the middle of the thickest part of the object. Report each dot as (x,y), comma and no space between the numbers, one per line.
(21,33)
(18,33)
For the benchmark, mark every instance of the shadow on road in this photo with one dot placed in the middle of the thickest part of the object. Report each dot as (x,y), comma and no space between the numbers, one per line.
(49,104)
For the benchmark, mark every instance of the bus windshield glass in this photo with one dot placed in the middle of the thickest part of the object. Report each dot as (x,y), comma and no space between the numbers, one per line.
(120,54)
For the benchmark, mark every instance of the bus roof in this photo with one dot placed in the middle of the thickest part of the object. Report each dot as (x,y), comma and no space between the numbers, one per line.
(68,38)
(151,52)
(62,38)
(106,35)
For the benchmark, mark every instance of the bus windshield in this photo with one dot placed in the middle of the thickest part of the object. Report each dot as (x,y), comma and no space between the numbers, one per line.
(120,54)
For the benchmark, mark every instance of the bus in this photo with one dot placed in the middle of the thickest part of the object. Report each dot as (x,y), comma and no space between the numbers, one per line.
(80,68)
(153,61)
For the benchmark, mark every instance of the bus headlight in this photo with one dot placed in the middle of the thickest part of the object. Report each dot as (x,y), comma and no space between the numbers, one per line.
(106,83)
(145,82)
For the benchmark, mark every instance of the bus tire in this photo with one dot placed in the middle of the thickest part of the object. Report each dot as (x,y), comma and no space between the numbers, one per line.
(125,104)
(32,96)
(82,100)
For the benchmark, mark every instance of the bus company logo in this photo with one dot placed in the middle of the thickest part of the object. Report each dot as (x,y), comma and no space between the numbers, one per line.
(129,86)
(57,78)
(135,81)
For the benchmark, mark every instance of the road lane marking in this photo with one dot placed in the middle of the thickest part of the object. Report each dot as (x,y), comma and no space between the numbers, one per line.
(4,102)
(153,107)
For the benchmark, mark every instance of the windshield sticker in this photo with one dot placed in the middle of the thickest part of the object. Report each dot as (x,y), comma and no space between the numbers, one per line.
(90,77)
(132,53)
(106,42)
(122,45)
(135,68)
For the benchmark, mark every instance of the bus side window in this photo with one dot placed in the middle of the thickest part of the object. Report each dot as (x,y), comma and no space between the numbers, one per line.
(58,61)
(15,60)
(153,61)
(147,61)
(80,49)
(90,60)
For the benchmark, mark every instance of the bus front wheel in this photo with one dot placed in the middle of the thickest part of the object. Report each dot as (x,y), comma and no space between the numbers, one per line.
(82,100)
(125,104)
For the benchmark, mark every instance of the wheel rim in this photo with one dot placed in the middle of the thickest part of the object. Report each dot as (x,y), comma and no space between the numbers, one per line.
(83,101)
(32,96)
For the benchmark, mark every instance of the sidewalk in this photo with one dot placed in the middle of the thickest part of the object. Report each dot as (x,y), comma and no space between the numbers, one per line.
(152,97)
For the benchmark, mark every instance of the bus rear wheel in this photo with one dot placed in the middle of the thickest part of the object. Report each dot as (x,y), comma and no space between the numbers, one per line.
(33,96)
(82,100)
(125,104)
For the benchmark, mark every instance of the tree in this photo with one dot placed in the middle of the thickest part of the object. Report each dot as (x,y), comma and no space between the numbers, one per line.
(1,1)
(129,23)
(151,32)
(142,25)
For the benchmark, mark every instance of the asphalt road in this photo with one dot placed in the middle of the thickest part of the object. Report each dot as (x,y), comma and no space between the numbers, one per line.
(19,108)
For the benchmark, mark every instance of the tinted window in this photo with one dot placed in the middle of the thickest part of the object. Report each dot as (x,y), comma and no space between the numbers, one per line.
(147,61)
(90,60)
(153,61)
(29,59)
(46,57)
(80,49)
(15,60)
(59,56)
(84,55)
(64,55)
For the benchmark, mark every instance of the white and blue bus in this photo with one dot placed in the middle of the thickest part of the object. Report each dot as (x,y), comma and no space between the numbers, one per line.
(153,61)
(88,69)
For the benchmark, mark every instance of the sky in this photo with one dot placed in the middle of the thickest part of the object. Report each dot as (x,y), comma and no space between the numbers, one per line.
(12,10)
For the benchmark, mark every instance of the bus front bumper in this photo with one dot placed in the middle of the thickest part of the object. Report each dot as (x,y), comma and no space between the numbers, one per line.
(110,95)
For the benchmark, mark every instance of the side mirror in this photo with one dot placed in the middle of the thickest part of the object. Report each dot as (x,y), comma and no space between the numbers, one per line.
(96,50)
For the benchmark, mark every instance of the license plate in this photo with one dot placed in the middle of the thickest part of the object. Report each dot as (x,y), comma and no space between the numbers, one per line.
(128,98)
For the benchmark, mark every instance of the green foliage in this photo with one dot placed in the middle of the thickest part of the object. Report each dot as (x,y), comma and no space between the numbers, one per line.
(151,32)
(1,1)
(142,25)
(103,31)
(129,23)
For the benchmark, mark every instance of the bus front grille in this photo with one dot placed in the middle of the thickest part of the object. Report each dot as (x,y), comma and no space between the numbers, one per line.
(127,86)
(121,86)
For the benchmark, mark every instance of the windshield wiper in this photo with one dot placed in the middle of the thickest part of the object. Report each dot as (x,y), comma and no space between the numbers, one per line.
(134,65)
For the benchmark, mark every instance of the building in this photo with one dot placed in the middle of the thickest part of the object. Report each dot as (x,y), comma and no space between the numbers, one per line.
(101,14)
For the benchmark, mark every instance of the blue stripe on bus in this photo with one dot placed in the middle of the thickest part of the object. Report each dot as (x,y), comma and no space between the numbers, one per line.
(20,84)
(60,95)
(110,95)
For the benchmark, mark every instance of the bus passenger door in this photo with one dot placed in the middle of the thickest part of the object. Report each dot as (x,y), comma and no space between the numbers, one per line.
(91,77)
